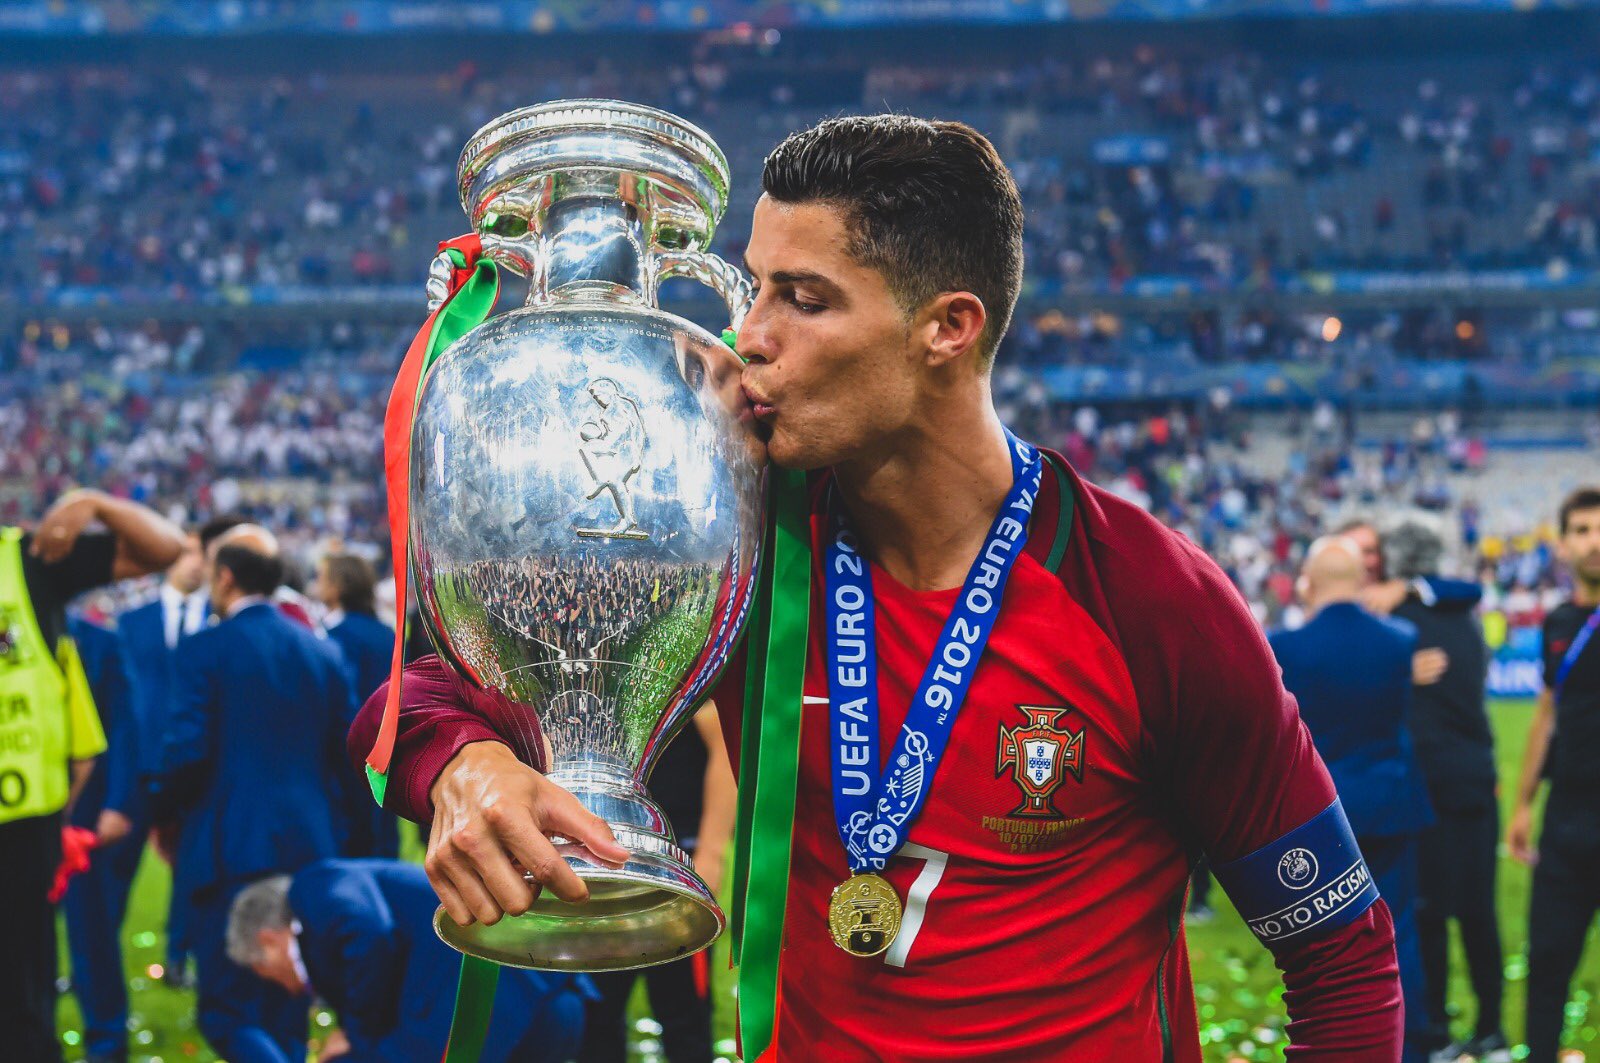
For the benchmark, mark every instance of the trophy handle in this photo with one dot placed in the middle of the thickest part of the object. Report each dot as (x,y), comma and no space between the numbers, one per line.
(721,276)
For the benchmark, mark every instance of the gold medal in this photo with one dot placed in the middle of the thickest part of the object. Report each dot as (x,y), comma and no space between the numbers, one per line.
(863,915)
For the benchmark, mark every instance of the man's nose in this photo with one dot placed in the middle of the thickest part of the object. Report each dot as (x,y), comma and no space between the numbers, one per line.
(754,340)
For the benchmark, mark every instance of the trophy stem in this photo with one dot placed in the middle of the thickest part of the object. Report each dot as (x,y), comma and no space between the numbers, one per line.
(596,241)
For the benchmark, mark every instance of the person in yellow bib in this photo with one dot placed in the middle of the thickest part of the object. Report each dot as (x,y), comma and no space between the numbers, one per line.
(49,730)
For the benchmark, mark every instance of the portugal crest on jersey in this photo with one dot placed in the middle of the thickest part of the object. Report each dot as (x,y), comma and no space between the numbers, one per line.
(1039,755)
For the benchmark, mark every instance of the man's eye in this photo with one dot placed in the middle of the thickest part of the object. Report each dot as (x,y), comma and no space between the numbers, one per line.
(805,307)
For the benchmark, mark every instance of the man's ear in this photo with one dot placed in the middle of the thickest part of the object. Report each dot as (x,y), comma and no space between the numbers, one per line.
(953,323)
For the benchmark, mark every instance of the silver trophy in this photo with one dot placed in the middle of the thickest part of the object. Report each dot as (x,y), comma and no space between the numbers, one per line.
(586,487)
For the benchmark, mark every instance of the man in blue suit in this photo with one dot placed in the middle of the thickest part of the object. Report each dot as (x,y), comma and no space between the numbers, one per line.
(253,749)
(150,635)
(345,586)
(111,804)
(359,933)
(1350,670)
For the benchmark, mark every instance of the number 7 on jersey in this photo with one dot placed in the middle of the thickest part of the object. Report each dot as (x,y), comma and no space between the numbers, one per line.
(916,900)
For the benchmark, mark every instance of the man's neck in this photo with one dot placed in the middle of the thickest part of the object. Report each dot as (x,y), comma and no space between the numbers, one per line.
(1335,598)
(921,509)
(1585,593)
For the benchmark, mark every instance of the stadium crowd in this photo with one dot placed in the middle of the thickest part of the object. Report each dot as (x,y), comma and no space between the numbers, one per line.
(1134,161)
(287,431)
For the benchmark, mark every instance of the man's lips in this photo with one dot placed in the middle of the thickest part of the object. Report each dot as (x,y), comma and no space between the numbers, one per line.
(759,404)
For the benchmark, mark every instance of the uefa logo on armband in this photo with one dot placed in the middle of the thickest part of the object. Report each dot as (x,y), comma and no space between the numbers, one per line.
(1297,869)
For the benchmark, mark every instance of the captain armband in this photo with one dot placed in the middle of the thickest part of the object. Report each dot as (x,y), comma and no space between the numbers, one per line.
(1305,884)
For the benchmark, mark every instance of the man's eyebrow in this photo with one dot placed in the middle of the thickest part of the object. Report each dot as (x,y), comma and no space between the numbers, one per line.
(828,288)
(794,276)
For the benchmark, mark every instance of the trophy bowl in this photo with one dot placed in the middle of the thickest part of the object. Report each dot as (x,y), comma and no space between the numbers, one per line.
(586,501)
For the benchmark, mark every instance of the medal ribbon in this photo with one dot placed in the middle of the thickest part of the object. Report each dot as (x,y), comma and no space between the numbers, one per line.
(875,820)
(1574,651)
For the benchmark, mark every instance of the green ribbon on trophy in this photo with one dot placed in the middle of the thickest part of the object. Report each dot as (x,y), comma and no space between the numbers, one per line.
(474,286)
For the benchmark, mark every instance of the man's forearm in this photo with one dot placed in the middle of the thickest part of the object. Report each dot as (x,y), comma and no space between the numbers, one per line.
(720,793)
(79,772)
(146,541)
(1343,994)
(438,716)
(1538,746)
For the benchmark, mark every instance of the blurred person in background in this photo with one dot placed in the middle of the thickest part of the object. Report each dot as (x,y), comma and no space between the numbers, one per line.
(1350,671)
(1455,750)
(344,587)
(49,732)
(251,763)
(359,935)
(150,634)
(1563,746)
(112,806)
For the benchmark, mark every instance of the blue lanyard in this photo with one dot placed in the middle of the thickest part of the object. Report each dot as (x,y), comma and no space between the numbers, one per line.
(1574,651)
(874,821)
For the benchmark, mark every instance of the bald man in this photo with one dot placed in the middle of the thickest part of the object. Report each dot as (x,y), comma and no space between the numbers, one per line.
(251,764)
(1350,670)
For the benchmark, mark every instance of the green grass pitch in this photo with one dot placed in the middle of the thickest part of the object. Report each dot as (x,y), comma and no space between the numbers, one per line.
(1236,986)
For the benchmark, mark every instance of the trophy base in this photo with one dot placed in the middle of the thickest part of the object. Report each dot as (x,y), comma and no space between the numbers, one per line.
(653,909)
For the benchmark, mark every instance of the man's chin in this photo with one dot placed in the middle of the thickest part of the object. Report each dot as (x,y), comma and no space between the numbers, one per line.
(784,454)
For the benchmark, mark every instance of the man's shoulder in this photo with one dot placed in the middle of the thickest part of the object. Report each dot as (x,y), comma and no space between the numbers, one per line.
(1282,638)
(321,646)
(90,634)
(369,630)
(1141,562)
(139,614)
(202,646)
(1401,628)
(1563,616)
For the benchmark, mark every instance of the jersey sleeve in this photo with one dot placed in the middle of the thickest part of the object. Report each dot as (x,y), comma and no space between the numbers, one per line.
(1229,754)
(439,713)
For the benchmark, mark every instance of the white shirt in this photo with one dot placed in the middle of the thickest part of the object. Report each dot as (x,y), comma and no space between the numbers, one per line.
(181,614)
(246,602)
(294,955)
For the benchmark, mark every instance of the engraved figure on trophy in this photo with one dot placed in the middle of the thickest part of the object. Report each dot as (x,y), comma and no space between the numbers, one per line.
(612,448)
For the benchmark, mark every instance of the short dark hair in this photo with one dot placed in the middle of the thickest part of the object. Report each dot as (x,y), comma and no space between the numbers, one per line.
(253,571)
(1582,498)
(930,206)
(216,527)
(354,579)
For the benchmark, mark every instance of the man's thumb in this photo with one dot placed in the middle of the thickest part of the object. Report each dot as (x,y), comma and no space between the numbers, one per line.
(571,820)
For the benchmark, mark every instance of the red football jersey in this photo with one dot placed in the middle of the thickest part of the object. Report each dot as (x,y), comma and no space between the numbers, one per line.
(1044,880)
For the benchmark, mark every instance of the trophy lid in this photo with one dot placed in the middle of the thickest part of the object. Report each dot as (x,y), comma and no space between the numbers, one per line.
(684,174)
